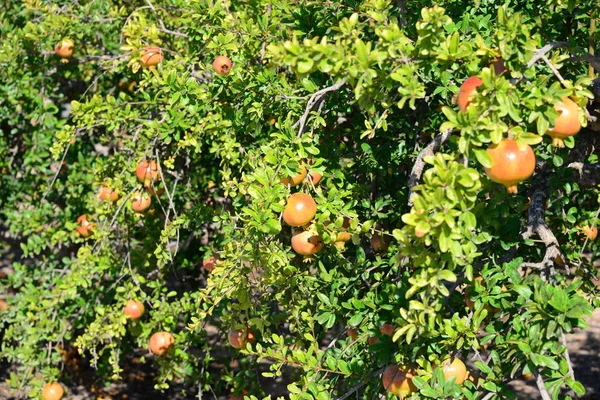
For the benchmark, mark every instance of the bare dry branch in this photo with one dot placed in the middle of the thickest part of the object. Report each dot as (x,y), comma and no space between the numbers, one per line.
(429,150)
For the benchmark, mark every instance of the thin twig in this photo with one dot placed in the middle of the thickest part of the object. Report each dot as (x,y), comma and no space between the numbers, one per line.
(541,387)
(417,169)
(312,101)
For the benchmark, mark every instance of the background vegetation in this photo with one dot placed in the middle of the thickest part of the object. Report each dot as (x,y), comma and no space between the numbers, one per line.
(361,92)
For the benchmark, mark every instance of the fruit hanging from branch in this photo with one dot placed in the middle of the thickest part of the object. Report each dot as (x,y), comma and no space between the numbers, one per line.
(566,124)
(398,381)
(590,232)
(151,57)
(161,342)
(52,391)
(238,338)
(299,210)
(455,368)
(107,194)
(134,309)
(64,49)
(222,65)
(466,91)
(511,163)
(140,202)
(147,172)
(307,243)
(296,179)
(85,228)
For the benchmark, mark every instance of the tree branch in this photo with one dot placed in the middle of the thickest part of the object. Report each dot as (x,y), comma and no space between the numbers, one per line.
(541,387)
(540,53)
(417,169)
(312,101)
(536,223)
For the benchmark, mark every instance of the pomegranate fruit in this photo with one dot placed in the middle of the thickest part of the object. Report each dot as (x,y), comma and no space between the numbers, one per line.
(107,194)
(455,368)
(209,264)
(307,243)
(151,57)
(85,227)
(147,172)
(134,309)
(299,210)
(52,391)
(566,124)
(296,179)
(140,202)
(161,342)
(64,49)
(511,163)
(398,381)
(239,338)
(590,232)
(222,65)
(466,91)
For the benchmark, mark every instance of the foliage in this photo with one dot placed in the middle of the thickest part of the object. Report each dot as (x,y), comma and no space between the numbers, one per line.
(353,89)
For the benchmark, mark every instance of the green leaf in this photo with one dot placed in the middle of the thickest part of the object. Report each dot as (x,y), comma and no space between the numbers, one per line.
(483,158)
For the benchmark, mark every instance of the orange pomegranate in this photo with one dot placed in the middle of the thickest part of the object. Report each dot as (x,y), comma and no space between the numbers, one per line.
(566,124)
(314,177)
(466,91)
(64,49)
(240,397)
(147,172)
(239,338)
(511,163)
(161,342)
(209,264)
(398,381)
(299,210)
(134,309)
(52,391)
(455,368)
(590,232)
(222,65)
(307,243)
(151,57)
(85,227)
(140,202)
(296,179)
(107,194)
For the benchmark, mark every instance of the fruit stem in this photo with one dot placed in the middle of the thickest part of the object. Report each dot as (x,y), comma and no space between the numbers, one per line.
(512,189)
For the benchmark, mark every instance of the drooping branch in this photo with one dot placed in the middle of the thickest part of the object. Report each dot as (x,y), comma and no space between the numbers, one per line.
(312,101)
(417,169)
